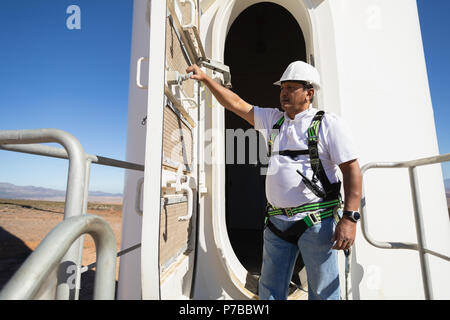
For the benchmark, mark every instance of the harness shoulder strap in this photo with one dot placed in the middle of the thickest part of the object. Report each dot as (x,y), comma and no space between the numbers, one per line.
(332,190)
(316,164)
(273,134)
(313,140)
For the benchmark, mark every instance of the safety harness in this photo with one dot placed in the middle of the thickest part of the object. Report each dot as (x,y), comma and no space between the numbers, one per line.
(329,192)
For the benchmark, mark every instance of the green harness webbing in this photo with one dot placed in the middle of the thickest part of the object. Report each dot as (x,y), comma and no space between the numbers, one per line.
(330,191)
(293,233)
(303,208)
(273,135)
(331,197)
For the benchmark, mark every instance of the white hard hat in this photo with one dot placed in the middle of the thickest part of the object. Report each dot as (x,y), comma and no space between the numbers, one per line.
(301,71)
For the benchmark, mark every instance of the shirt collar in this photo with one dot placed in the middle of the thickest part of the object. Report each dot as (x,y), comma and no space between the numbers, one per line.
(298,116)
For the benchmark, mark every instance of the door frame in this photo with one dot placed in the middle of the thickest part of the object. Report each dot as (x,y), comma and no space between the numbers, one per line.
(226,13)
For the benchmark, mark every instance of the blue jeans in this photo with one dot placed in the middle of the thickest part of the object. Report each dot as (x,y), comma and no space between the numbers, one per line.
(320,260)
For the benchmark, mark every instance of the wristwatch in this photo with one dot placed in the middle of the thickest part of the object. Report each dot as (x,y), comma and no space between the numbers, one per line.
(354,215)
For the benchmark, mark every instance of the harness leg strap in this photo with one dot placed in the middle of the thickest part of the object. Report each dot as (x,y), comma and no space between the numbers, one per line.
(290,235)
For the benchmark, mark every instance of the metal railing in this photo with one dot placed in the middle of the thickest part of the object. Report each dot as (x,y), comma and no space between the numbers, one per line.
(420,245)
(75,184)
(35,270)
(76,199)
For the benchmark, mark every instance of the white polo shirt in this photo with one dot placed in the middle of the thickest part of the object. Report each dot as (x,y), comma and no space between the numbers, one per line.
(284,186)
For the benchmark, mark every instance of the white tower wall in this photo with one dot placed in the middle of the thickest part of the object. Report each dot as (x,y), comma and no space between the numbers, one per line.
(129,286)
(384,95)
(371,60)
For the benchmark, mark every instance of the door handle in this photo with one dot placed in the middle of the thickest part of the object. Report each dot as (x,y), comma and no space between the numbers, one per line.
(140,183)
(138,73)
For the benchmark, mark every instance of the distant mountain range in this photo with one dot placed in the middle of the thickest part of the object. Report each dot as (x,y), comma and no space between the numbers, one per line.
(11,191)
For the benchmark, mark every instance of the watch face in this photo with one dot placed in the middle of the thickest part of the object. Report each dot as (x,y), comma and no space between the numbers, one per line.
(354,215)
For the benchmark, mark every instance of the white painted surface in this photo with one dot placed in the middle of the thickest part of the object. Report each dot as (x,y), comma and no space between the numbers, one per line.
(385,95)
(178,285)
(176,281)
(150,275)
(370,56)
(129,286)
(371,61)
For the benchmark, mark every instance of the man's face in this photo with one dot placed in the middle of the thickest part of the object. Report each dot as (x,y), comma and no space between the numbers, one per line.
(293,96)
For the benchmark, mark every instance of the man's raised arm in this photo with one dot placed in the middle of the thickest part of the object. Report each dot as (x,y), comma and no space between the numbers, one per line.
(226,98)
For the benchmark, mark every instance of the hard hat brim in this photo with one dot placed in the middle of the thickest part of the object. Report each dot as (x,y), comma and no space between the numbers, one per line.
(315,85)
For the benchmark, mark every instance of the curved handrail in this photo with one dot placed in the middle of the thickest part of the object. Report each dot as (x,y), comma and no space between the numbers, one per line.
(403,164)
(34,271)
(75,182)
(77,157)
(27,141)
(421,243)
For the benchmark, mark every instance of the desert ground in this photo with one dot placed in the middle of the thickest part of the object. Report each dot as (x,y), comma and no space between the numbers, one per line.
(24,223)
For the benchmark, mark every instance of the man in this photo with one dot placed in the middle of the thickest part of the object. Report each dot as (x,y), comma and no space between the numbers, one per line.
(303,192)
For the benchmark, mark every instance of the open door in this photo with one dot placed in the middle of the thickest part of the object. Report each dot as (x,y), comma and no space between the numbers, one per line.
(257,56)
(170,183)
(160,206)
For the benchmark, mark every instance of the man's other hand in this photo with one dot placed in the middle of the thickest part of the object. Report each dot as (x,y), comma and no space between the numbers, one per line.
(345,234)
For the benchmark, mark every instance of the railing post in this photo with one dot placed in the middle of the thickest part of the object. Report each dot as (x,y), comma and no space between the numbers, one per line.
(35,270)
(416,199)
(28,141)
(70,264)
(424,266)
(81,239)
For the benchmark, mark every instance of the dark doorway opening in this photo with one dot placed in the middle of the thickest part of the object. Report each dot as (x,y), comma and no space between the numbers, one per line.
(261,43)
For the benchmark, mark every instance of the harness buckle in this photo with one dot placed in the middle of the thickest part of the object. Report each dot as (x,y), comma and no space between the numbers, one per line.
(315,219)
(288,212)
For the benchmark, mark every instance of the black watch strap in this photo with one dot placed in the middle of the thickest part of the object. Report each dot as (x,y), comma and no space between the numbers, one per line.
(354,215)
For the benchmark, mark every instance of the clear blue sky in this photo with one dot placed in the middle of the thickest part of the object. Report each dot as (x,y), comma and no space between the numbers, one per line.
(77,81)
(74,80)
(435,26)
